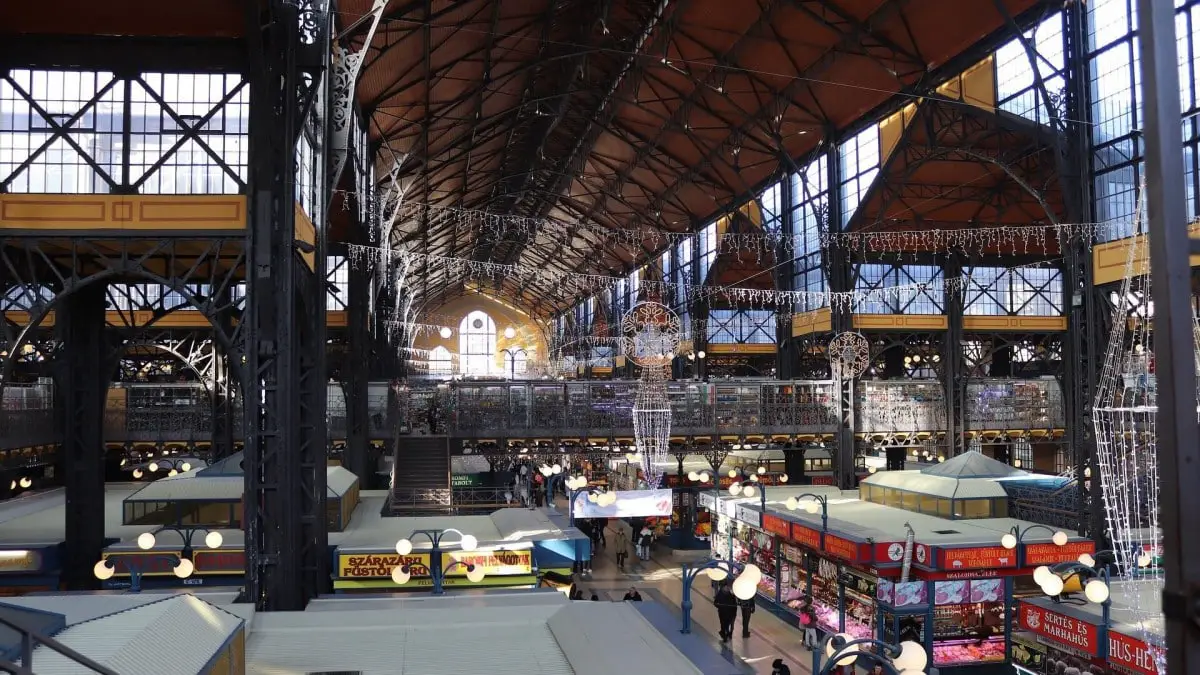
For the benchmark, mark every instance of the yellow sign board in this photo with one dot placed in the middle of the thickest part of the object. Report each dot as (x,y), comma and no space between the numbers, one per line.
(380,565)
(20,561)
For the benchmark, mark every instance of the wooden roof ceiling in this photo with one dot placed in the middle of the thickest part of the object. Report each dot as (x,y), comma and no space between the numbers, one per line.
(628,113)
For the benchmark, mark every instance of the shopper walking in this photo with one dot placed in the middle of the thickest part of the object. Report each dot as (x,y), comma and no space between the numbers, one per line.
(622,547)
(747,609)
(603,523)
(645,539)
(727,607)
(808,621)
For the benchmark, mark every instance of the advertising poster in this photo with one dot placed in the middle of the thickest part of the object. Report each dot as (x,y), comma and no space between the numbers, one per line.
(629,504)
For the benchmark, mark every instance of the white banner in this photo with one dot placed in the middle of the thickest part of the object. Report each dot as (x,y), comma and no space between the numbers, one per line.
(629,504)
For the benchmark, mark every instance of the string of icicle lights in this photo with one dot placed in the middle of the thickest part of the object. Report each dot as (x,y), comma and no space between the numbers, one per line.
(407,216)
(575,284)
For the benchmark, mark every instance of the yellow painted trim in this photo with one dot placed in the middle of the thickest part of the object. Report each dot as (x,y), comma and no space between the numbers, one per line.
(807,323)
(1016,323)
(975,86)
(307,233)
(1109,260)
(900,321)
(426,582)
(139,213)
(601,370)
(336,318)
(724,348)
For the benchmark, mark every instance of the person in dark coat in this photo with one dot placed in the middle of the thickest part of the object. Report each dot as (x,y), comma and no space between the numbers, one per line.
(778,667)
(747,609)
(727,606)
(632,595)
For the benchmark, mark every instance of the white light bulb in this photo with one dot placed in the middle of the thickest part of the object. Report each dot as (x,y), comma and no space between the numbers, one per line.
(404,547)
(185,467)
(1144,560)
(399,576)
(1041,574)
(476,574)
(849,652)
(556,469)
(693,476)
(912,657)
(153,467)
(704,477)
(749,491)
(445,332)
(137,473)
(792,503)
(145,541)
(184,568)
(752,572)
(1009,541)
(1087,559)
(744,589)
(26,482)
(735,489)
(783,478)
(717,573)
(813,506)
(214,539)
(1053,585)
(762,470)
(102,571)
(469,542)
(1096,591)
(732,473)
(172,473)
(1060,538)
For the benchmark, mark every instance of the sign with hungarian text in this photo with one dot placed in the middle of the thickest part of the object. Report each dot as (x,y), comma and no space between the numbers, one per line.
(380,565)
(984,557)
(776,525)
(1059,630)
(1052,554)
(806,536)
(20,561)
(163,564)
(1131,654)
(842,548)
(494,563)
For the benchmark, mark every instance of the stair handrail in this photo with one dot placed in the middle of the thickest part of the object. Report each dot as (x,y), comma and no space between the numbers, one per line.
(30,638)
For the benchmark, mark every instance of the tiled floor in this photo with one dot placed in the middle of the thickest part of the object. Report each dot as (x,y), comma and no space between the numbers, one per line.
(770,637)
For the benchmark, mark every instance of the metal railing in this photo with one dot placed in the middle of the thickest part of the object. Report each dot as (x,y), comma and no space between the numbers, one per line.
(30,639)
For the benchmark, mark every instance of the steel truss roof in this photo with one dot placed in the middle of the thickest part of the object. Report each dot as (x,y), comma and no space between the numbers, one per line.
(628,113)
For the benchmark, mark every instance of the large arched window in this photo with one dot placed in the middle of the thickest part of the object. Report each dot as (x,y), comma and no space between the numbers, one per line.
(476,344)
(440,362)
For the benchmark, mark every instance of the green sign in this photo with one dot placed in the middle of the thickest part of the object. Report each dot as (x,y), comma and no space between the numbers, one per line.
(466,480)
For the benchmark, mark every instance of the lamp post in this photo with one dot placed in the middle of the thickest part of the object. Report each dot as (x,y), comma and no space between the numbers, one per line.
(698,358)
(819,502)
(1016,536)
(467,543)
(1096,588)
(906,658)
(173,467)
(181,563)
(137,566)
(553,475)
(745,490)
(744,586)
(511,353)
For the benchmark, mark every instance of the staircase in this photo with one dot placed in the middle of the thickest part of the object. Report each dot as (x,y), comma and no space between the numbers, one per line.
(420,477)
